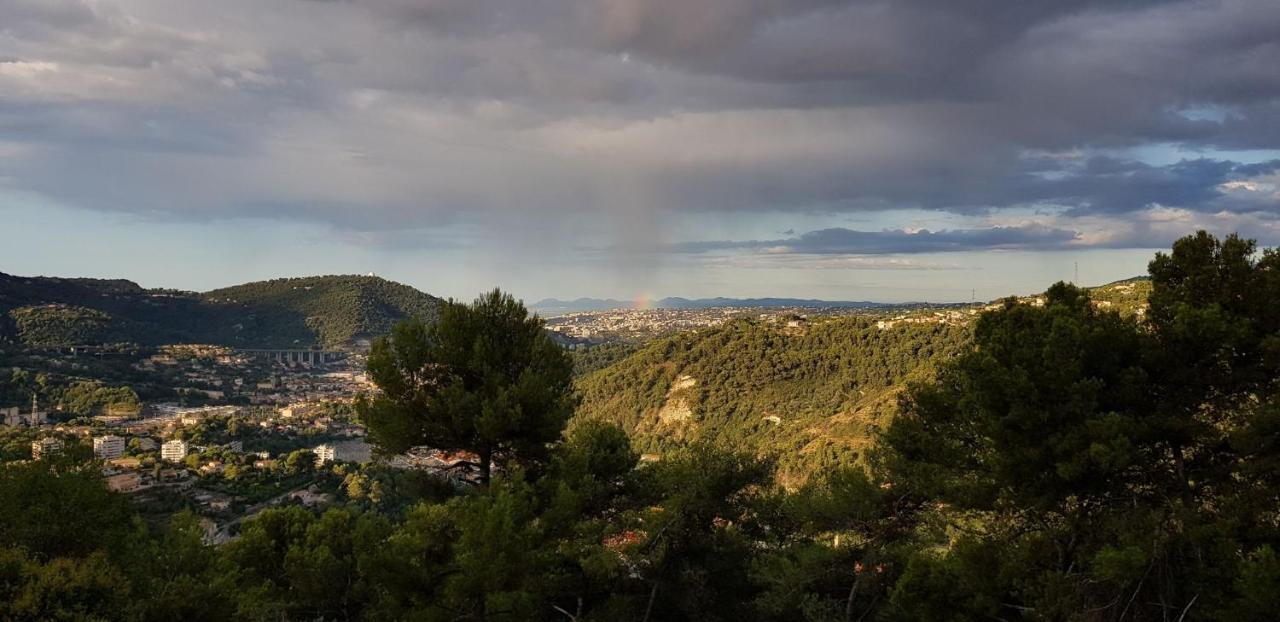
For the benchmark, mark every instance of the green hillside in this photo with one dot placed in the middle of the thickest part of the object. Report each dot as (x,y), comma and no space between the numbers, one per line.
(329,311)
(53,311)
(810,395)
(335,309)
(53,324)
(1128,296)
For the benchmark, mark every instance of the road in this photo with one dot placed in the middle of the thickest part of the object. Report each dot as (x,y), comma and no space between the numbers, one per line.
(223,533)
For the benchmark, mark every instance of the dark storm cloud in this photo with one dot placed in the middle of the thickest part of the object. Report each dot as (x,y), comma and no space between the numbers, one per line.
(1108,185)
(382,114)
(840,241)
(890,42)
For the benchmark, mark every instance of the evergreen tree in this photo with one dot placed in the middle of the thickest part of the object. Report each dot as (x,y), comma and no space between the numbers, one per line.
(1096,467)
(483,378)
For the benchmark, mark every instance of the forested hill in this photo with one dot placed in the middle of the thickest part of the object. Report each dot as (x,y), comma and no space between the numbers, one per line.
(329,311)
(1128,296)
(809,394)
(336,309)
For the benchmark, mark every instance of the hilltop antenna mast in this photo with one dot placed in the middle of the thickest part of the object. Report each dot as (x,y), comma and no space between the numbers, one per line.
(1077,278)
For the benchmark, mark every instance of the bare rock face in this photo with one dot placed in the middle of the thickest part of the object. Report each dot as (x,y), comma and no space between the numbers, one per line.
(676,408)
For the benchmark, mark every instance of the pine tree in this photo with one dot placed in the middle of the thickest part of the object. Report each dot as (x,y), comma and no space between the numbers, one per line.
(483,378)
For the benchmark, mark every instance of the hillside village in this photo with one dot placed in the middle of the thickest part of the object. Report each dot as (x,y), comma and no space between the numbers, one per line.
(223,430)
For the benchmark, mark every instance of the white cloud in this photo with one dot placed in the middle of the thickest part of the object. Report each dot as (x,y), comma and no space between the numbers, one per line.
(26,70)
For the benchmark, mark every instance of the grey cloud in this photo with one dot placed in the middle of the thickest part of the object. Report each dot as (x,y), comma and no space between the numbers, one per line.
(21,15)
(840,241)
(383,114)
(1159,228)
(1111,185)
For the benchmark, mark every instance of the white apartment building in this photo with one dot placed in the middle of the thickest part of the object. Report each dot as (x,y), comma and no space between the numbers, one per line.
(108,447)
(173,451)
(45,447)
(325,453)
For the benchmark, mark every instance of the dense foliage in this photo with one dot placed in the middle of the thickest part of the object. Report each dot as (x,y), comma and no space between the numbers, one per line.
(335,310)
(811,396)
(593,538)
(1127,297)
(1102,468)
(88,399)
(595,357)
(484,378)
(329,311)
(118,383)
(17,386)
(55,324)
(70,398)
(1073,464)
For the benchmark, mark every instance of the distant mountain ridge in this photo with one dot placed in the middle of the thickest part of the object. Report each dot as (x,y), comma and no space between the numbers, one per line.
(324,311)
(548,306)
(1139,285)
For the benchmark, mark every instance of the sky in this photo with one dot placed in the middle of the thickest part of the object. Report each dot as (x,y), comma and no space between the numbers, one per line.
(886,150)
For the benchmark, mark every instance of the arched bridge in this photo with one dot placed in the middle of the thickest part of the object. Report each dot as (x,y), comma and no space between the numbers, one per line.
(287,357)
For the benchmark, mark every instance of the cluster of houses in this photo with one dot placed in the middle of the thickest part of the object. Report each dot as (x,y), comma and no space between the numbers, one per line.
(598,326)
(219,373)
(289,387)
(952,317)
(460,468)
